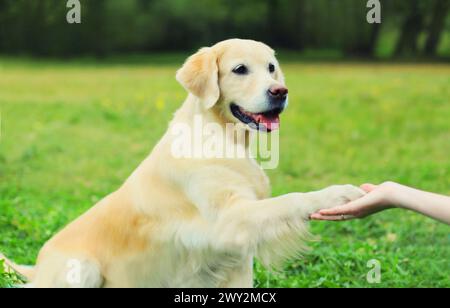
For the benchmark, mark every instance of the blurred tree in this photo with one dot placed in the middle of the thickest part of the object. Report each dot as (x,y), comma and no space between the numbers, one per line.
(363,36)
(96,17)
(436,26)
(412,26)
(115,26)
(3,8)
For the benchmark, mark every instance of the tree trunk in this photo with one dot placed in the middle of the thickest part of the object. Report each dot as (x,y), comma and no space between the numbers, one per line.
(3,16)
(374,35)
(367,47)
(366,38)
(272,22)
(413,24)
(296,34)
(97,19)
(436,27)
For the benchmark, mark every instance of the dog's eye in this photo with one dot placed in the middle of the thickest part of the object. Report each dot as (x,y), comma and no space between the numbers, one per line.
(271,68)
(240,70)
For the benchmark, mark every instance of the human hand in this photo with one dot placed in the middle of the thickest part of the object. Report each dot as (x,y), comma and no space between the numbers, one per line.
(331,197)
(378,198)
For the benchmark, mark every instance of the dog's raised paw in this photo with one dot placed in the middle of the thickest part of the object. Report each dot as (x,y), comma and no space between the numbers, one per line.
(341,194)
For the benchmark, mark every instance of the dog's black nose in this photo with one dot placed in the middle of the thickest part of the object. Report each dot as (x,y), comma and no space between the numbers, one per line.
(278,93)
(278,97)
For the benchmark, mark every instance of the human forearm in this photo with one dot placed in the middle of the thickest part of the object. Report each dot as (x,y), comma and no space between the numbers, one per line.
(388,195)
(430,204)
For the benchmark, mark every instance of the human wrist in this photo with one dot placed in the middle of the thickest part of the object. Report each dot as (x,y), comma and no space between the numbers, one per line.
(399,195)
(393,195)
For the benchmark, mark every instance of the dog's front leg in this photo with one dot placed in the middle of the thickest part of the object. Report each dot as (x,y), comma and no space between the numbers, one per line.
(275,228)
(234,221)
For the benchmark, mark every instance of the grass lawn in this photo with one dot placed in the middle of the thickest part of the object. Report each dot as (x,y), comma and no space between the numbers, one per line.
(72,132)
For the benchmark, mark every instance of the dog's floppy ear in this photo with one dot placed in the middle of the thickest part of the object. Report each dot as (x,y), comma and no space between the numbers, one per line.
(200,76)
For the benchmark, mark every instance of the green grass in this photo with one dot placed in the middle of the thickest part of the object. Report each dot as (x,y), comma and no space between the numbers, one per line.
(72,132)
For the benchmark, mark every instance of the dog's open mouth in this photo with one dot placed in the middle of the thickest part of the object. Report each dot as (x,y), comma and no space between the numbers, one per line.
(265,121)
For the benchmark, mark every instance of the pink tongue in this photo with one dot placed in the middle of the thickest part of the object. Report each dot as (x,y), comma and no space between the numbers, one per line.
(271,123)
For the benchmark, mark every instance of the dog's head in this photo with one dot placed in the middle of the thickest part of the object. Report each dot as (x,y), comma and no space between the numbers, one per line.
(239,78)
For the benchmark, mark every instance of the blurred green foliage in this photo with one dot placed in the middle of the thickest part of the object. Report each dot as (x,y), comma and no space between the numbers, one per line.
(409,28)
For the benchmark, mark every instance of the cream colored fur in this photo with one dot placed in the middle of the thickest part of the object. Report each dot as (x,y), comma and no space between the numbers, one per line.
(190,222)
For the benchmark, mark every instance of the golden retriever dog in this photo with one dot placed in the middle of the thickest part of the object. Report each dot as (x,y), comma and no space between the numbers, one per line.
(194,222)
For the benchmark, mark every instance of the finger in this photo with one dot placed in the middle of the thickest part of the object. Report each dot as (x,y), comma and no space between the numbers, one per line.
(347,209)
(368,187)
(317,216)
